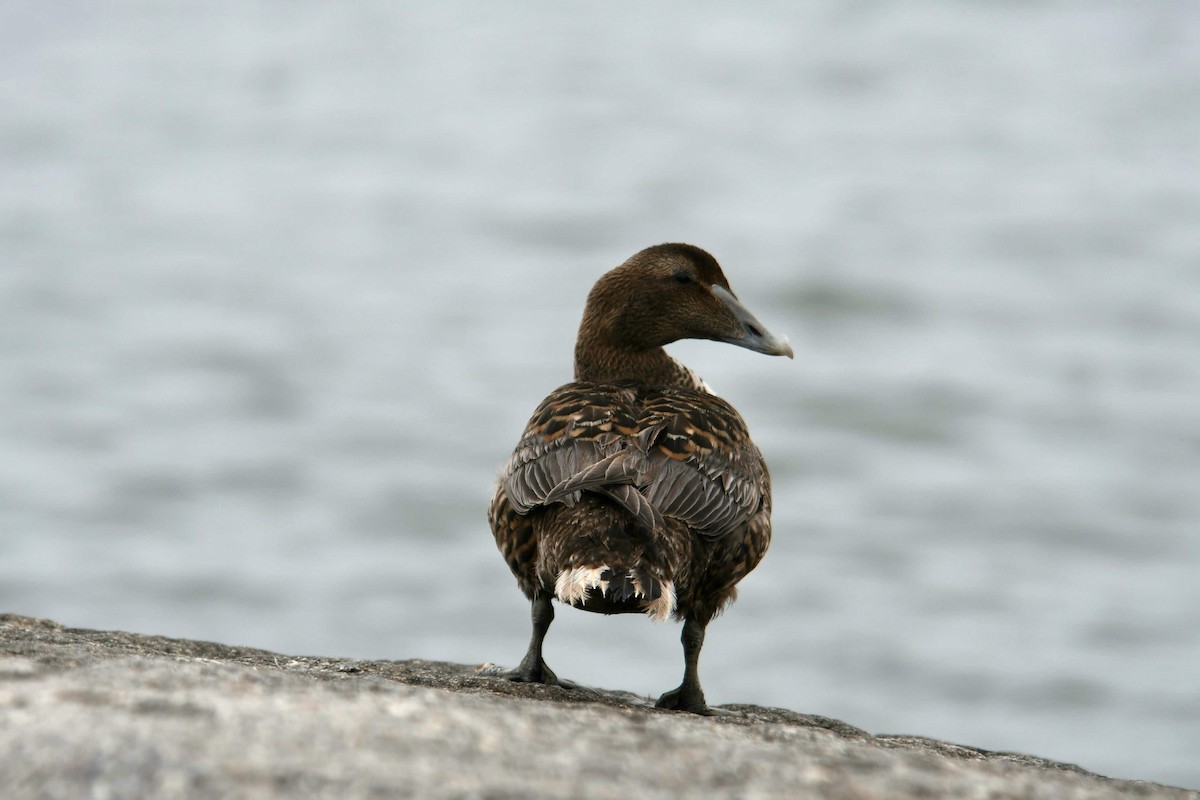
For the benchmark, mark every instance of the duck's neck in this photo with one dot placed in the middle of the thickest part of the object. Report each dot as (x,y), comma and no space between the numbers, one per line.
(617,340)
(601,362)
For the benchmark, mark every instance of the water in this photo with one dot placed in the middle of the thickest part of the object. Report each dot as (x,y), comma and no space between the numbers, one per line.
(280,285)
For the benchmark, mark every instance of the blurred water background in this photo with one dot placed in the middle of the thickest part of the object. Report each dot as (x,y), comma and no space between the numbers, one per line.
(280,283)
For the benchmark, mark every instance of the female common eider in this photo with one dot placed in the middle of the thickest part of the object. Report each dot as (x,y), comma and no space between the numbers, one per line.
(634,489)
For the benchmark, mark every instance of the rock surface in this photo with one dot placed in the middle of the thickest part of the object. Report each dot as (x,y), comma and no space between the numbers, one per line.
(117,715)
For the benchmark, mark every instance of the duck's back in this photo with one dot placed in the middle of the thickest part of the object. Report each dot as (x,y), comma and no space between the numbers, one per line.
(659,490)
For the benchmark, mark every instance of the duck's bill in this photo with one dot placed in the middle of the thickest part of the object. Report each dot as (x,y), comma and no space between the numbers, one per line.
(754,336)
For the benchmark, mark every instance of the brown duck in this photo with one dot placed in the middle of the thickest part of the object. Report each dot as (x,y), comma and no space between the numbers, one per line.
(634,489)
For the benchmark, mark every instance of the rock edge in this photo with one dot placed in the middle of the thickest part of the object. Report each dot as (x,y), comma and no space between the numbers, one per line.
(108,713)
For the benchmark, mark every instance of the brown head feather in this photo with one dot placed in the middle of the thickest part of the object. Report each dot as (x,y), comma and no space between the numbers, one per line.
(658,296)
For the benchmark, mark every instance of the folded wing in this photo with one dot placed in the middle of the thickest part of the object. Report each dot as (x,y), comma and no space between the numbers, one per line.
(674,453)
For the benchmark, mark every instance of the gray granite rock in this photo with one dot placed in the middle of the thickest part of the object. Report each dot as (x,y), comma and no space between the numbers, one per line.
(116,715)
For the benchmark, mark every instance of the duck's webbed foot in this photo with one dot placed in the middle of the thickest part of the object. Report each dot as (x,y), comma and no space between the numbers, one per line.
(684,698)
(688,696)
(532,668)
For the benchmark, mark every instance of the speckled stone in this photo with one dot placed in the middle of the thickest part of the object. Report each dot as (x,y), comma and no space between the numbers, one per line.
(118,715)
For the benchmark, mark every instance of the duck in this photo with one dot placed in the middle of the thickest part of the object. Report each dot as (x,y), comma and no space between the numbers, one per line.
(634,488)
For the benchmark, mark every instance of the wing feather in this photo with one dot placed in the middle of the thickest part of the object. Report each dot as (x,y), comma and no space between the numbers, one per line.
(636,504)
(658,453)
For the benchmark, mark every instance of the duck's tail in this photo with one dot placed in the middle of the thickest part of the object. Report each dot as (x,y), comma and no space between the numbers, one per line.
(617,588)
(600,559)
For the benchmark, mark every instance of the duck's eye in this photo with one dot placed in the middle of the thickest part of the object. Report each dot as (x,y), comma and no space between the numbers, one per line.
(682,278)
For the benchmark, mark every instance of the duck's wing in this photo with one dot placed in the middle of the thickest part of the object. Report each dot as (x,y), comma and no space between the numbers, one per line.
(703,468)
(675,453)
(577,441)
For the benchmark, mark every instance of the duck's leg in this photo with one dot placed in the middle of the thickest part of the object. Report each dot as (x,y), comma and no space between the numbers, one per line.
(532,668)
(689,696)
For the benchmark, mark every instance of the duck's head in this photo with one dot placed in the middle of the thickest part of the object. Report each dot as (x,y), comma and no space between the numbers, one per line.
(660,295)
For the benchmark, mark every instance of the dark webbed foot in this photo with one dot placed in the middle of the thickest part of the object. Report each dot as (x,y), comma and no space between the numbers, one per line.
(678,700)
(532,668)
(529,671)
(534,671)
(684,698)
(688,696)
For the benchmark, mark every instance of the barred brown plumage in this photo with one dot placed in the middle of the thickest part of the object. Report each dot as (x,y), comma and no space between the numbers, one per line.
(634,488)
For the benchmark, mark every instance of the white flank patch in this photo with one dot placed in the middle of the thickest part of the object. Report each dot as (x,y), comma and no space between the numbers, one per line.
(573,584)
(660,610)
